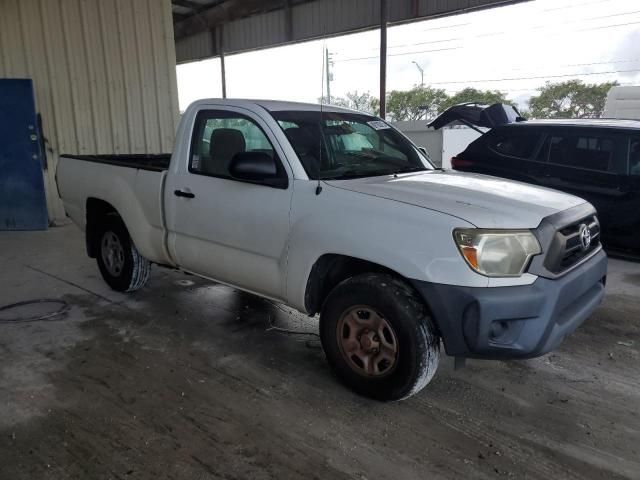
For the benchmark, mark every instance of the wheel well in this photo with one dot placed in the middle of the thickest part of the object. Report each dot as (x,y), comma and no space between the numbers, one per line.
(97,211)
(331,269)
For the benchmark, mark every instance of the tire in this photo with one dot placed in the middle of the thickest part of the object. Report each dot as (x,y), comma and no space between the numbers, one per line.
(399,321)
(120,263)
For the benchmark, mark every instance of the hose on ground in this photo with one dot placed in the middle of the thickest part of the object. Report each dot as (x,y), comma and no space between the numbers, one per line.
(64,308)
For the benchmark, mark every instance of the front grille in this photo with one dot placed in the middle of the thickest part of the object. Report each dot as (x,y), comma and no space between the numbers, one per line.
(566,248)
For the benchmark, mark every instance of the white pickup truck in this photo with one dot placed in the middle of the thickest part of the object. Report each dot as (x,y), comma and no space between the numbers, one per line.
(335,212)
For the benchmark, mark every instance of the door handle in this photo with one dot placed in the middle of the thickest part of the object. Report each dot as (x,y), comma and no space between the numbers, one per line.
(180,193)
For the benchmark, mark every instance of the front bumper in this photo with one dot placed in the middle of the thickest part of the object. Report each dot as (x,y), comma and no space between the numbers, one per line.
(515,322)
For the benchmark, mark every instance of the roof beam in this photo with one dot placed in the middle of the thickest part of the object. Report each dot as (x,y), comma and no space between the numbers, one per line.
(191,5)
(220,13)
(179,16)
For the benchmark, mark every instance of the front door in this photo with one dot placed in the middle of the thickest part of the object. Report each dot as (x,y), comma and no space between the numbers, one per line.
(229,230)
(22,198)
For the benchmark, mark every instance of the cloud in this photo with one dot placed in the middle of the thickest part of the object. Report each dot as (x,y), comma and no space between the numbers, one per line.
(628,50)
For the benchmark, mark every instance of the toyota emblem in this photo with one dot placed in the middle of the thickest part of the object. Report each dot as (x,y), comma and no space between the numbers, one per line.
(585,237)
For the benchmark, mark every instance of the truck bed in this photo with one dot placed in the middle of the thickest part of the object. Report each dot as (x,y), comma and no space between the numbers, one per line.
(132,185)
(154,162)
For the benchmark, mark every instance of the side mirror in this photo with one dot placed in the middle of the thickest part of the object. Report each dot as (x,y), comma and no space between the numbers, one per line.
(257,167)
(424,150)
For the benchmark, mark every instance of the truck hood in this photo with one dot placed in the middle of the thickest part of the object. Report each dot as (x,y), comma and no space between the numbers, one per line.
(484,201)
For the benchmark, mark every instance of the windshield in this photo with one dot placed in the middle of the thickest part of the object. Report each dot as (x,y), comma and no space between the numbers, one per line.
(348,145)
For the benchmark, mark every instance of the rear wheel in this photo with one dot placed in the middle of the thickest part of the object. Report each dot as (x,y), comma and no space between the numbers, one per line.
(121,265)
(378,337)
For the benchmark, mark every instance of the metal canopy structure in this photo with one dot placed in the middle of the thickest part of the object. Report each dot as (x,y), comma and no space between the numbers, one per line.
(205,28)
(212,28)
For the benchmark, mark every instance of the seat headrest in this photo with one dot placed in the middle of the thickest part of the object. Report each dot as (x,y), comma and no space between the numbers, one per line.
(302,141)
(226,142)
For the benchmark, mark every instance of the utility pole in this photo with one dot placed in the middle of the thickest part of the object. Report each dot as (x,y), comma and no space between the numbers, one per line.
(223,74)
(328,72)
(220,49)
(421,73)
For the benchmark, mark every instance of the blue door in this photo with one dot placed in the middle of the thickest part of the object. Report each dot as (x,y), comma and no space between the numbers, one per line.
(22,198)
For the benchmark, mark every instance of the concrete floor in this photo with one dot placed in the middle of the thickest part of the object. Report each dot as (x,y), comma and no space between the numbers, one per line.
(184,380)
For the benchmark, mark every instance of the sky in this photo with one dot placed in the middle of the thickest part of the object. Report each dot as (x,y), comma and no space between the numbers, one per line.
(514,49)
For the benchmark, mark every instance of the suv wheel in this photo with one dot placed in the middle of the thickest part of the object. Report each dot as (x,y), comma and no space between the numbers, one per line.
(378,337)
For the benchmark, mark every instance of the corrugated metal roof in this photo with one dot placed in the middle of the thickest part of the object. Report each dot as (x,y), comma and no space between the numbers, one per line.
(103,73)
(303,20)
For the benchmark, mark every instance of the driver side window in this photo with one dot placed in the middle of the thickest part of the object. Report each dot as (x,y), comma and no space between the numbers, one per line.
(220,135)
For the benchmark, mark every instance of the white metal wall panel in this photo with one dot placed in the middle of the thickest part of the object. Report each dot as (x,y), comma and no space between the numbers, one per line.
(103,73)
(316,19)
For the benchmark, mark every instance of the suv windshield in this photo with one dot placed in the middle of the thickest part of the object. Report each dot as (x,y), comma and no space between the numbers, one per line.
(348,145)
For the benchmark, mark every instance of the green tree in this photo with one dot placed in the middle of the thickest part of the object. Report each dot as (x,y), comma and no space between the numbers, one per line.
(364,102)
(570,99)
(415,104)
(485,97)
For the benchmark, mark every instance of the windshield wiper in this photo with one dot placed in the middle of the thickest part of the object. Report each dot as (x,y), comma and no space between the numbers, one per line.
(355,173)
(360,174)
(411,169)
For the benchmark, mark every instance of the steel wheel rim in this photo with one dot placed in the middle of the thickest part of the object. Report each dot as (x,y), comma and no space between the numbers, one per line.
(367,341)
(112,253)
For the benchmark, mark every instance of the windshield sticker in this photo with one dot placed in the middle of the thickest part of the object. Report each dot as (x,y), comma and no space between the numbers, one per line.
(378,125)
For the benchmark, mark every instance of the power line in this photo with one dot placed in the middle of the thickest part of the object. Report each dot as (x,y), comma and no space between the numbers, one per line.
(607,26)
(526,28)
(399,54)
(505,90)
(561,24)
(521,89)
(575,6)
(541,77)
(562,65)
(422,43)
(530,27)
(605,62)
(447,26)
(579,20)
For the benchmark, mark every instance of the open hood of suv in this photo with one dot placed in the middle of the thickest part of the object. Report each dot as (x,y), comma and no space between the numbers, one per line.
(473,114)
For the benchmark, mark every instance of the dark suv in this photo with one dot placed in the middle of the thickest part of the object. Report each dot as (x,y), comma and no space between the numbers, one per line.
(598,160)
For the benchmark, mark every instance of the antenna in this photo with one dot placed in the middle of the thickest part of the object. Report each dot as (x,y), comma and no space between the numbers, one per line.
(324,60)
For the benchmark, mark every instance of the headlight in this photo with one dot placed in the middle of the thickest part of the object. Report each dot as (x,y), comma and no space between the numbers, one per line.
(497,253)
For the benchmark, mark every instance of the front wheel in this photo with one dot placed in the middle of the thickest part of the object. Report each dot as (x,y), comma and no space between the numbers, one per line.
(378,337)
(121,265)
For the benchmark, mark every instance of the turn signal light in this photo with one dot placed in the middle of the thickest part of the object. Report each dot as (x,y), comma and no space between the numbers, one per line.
(471,256)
